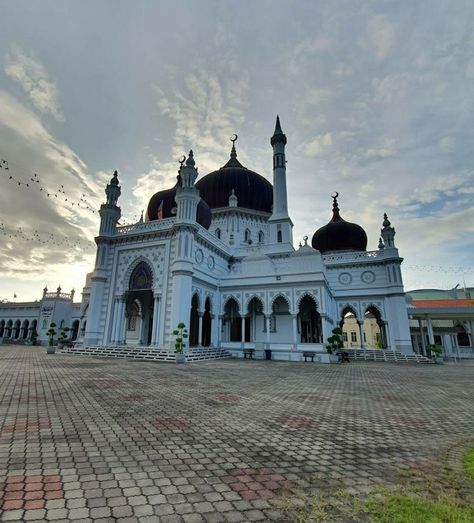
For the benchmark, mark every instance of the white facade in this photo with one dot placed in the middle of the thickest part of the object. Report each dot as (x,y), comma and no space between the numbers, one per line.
(240,283)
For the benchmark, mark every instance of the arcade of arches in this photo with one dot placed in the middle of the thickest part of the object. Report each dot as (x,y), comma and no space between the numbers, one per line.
(369,333)
(200,323)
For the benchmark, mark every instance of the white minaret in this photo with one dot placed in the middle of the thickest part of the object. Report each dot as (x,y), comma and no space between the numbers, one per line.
(281,230)
(109,215)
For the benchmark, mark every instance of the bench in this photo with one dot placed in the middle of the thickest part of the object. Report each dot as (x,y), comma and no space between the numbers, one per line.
(307,355)
(249,353)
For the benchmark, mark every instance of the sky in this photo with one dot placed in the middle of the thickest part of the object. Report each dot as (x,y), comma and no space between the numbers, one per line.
(375,97)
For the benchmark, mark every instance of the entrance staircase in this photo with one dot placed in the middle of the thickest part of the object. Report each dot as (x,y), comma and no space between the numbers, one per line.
(382,355)
(146,353)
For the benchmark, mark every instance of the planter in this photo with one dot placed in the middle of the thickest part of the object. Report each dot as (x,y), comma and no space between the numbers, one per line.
(51,349)
(333,358)
(180,358)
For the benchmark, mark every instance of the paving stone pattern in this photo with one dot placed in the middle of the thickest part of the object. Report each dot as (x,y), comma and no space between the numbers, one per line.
(87,439)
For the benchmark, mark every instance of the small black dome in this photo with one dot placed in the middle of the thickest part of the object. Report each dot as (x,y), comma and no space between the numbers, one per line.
(339,235)
(163,205)
(252,190)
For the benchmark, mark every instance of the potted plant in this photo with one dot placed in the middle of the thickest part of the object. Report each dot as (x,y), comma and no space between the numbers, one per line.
(180,334)
(437,352)
(334,344)
(51,333)
(34,337)
(63,337)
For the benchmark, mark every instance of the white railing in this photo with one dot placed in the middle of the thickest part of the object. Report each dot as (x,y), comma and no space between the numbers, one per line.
(345,257)
(155,225)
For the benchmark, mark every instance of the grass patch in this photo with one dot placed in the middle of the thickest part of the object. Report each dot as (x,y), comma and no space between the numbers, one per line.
(406,509)
(469,463)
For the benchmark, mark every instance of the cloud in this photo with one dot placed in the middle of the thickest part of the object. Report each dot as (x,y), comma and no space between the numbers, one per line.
(318,144)
(35,81)
(380,36)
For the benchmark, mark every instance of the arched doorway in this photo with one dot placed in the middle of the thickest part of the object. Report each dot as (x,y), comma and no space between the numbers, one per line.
(74,330)
(24,329)
(232,321)
(16,331)
(194,322)
(374,329)
(255,320)
(207,324)
(2,328)
(8,329)
(462,336)
(34,326)
(350,327)
(139,306)
(309,321)
(280,320)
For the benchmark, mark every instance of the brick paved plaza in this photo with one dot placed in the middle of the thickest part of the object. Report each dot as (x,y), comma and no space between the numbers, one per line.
(87,439)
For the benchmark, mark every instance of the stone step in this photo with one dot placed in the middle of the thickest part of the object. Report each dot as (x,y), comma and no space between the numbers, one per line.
(146,353)
(382,355)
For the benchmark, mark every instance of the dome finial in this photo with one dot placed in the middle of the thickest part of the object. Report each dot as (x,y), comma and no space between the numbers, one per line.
(233,152)
(386,221)
(190,161)
(335,206)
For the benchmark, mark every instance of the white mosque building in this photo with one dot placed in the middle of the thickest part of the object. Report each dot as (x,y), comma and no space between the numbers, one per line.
(216,253)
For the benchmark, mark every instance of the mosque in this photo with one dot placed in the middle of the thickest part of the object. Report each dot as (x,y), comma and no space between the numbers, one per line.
(217,254)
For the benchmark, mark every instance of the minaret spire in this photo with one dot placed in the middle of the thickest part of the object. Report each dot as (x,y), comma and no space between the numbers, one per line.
(280,220)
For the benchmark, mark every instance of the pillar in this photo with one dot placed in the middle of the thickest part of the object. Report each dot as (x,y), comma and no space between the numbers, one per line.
(219,331)
(294,318)
(267,322)
(121,321)
(471,325)
(430,331)
(200,315)
(361,334)
(113,329)
(422,334)
(156,319)
(242,334)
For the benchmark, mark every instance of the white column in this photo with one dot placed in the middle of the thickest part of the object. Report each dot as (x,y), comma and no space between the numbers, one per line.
(219,332)
(121,321)
(294,318)
(430,331)
(200,315)
(156,315)
(422,334)
(113,337)
(267,322)
(242,337)
(361,334)
(471,324)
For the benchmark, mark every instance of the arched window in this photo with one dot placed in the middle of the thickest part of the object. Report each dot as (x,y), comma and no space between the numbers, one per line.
(247,237)
(218,233)
(141,277)
(261,237)
(279,237)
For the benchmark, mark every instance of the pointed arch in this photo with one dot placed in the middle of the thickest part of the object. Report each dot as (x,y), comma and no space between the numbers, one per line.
(131,268)
(207,323)
(374,327)
(303,295)
(232,319)
(229,298)
(309,319)
(2,328)
(250,298)
(283,297)
(196,298)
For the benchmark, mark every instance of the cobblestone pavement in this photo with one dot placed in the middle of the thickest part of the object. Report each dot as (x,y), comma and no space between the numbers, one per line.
(85,439)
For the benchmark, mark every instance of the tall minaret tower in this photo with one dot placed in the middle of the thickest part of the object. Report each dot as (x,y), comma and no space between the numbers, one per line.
(109,215)
(281,230)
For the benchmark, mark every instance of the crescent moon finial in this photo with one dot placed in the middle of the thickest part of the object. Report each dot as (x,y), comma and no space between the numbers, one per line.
(182,159)
(334,195)
(233,138)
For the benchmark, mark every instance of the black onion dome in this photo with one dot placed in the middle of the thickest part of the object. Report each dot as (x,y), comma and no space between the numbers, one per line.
(253,191)
(163,205)
(339,235)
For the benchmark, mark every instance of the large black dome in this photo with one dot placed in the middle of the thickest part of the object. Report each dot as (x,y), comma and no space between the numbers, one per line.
(252,190)
(339,235)
(163,205)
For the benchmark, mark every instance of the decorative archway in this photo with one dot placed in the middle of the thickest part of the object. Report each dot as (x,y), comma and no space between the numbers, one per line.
(374,328)
(462,335)
(280,319)
(139,305)
(2,328)
(74,330)
(349,324)
(309,321)
(194,321)
(207,324)
(255,320)
(9,329)
(16,330)
(24,329)
(232,321)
